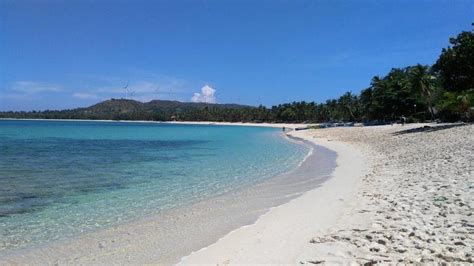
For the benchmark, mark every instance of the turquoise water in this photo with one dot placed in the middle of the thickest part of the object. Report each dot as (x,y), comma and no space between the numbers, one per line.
(62,178)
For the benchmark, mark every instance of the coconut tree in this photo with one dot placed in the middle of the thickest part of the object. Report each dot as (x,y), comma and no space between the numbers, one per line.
(465,102)
(423,82)
(382,99)
(349,104)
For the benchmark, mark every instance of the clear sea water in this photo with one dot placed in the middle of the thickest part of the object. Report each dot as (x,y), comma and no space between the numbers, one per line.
(63,178)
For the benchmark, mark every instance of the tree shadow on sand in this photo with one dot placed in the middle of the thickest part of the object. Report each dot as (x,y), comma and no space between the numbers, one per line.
(429,128)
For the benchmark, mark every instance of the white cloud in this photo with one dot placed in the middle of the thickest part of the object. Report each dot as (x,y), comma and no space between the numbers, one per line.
(207,95)
(84,96)
(28,90)
(32,87)
(144,90)
(143,87)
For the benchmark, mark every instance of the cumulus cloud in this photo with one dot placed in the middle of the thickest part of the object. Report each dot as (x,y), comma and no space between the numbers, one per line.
(207,95)
(84,96)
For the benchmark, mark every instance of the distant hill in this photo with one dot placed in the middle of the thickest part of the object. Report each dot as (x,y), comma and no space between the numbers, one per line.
(157,110)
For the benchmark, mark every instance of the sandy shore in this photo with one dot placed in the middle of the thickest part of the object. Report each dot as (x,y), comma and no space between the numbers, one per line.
(277,125)
(281,235)
(399,194)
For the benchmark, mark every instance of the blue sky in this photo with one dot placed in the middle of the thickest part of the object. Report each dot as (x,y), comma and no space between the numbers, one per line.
(65,54)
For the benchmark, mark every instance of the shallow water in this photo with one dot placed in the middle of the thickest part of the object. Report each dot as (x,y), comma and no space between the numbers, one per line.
(62,178)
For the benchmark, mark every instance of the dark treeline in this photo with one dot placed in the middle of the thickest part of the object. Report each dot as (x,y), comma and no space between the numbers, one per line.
(442,91)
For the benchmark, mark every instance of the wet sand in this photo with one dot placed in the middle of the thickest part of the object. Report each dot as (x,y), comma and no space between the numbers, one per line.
(281,236)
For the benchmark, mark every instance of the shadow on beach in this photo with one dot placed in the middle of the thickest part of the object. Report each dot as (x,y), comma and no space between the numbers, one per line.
(428,128)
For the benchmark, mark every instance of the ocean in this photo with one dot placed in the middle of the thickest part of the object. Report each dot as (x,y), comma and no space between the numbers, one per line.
(59,179)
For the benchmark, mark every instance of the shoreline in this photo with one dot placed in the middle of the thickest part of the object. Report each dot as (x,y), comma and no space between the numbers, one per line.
(204,123)
(399,194)
(261,194)
(411,205)
(278,236)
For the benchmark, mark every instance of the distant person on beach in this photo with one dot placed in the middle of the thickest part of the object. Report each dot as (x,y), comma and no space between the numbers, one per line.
(284,128)
(403,120)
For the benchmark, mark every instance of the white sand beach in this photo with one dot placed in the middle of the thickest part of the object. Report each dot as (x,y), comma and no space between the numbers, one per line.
(399,194)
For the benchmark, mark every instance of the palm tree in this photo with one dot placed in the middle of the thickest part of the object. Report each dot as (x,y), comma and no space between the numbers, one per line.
(465,101)
(349,102)
(382,98)
(422,82)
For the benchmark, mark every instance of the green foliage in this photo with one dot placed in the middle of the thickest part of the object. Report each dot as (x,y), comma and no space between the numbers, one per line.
(457,105)
(455,65)
(423,85)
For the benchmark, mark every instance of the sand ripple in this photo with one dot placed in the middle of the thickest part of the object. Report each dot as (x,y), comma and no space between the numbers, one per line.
(417,201)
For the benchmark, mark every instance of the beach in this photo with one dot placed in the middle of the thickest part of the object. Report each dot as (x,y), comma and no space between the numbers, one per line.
(237,133)
(397,194)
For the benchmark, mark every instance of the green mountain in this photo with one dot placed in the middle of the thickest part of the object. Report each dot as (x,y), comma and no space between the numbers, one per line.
(157,110)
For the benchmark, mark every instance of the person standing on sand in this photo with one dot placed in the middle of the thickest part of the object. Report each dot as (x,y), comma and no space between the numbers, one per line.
(403,120)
